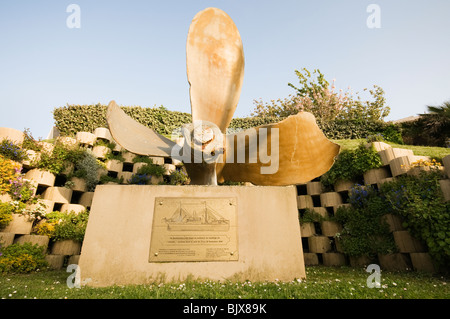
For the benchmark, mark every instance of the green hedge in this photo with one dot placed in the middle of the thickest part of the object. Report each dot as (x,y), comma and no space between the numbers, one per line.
(71,119)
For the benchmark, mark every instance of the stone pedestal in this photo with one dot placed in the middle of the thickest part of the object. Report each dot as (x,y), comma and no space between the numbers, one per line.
(116,248)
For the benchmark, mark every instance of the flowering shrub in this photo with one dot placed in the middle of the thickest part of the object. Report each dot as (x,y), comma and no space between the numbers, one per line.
(364,231)
(358,195)
(179,177)
(21,190)
(22,258)
(48,225)
(422,163)
(45,228)
(140,179)
(144,174)
(9,171)
(71,226)
(12,151)
(6,212)
(316,95)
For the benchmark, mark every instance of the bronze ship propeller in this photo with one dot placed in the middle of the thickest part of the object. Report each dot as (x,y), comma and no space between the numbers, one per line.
(292,151)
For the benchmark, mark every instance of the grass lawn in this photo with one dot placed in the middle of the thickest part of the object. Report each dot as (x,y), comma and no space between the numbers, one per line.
(434,152)
(321,283)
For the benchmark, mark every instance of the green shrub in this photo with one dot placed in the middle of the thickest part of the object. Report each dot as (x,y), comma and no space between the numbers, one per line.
(142,159)
(104,179)
(71,119)
(101,142)
(22,190)
(29,143)
(71,226)
(86,118)
(47,226)
(179,177)
(22,258)
(310,216)
(419,201)
(6,211)
(57,160)
(152,170)
(86,167)
(140,179)
(364,231)
(351,164)
(144,174)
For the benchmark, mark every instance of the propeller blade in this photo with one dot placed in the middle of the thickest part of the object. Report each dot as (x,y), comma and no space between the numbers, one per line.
(135,137)
(294,154)
(215,67)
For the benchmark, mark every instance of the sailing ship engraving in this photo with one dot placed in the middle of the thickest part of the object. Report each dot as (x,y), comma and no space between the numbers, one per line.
(195,217)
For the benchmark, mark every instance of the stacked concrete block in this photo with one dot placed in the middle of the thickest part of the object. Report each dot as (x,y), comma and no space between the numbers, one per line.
(20,225)
(76,208)
(445,183)
(157,160)
(331,199)
(86,199)
(86,138)
(114,165)
(33,240)
(318,237)
(169,168)
(307,229)
(343,186)
(43,178)
(304,201)
(379,146)
(389,154)
(58,194)
(408,244)
(103,133)
(446,162)
(376,175)
(11,134)
(55,196)
(445,188)
(401,165)
(314,188)
(101,151)
(33,156)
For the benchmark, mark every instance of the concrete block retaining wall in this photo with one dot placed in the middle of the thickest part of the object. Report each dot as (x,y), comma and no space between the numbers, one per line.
(318,238)
(56,197)
(319,244)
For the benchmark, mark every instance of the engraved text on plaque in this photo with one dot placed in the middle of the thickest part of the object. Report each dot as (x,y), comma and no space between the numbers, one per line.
(194,229)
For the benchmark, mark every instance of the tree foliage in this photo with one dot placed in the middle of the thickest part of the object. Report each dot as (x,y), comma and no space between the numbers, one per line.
(431,128)
(315,94)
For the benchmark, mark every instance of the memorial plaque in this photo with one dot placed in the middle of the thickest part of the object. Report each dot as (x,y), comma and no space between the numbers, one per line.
(194,229)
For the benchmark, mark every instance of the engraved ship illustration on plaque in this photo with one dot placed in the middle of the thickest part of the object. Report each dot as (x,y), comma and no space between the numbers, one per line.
(199,218)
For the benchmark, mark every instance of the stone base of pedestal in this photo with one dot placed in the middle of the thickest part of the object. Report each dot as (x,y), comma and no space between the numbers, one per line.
(265,235)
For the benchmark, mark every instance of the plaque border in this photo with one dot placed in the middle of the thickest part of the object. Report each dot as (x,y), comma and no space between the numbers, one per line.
(233,257)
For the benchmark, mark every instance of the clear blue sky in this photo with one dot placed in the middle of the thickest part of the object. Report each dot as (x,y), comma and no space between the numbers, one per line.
(135,53)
